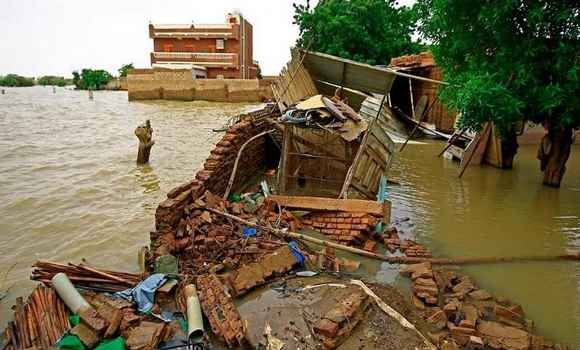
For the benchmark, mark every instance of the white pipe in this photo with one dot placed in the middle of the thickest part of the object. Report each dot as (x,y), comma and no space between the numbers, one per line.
(194,318)
(68,293)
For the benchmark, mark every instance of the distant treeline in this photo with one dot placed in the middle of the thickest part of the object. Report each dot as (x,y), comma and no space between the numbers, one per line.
(54,80)
(87,79)
(15,80)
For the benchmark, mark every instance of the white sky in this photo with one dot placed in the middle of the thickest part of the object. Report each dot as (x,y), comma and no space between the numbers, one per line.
(55,37)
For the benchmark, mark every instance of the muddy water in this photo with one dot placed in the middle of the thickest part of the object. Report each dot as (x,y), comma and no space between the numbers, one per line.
(499,213)
(69,186)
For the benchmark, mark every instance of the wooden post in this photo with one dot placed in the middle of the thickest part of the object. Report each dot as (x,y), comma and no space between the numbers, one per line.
(3,92)
(411,98)
(145,135)
(90,94)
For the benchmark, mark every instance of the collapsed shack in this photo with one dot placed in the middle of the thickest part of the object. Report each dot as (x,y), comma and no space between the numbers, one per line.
(312,163)
(407,93)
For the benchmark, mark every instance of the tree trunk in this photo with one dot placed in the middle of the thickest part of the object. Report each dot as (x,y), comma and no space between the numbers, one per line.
(509,149)
(145,135)
(553,154)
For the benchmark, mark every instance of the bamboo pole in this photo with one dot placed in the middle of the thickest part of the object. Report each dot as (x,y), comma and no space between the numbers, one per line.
(450,142)
(574,256)
(236,163)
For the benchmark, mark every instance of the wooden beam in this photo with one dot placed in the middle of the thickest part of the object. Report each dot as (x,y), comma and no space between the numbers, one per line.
(332,204)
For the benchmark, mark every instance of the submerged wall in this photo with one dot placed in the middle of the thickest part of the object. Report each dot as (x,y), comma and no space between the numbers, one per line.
(178,84)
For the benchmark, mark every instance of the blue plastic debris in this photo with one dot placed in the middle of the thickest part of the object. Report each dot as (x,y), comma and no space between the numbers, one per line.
(296,253)
(249,232)
(381,197)
(143,294)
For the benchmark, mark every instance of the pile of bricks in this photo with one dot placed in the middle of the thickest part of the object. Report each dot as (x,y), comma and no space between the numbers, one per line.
(219,308)
(464,316)
(424,287)
(173,219)
(408,247)
(352,229)
(423,59)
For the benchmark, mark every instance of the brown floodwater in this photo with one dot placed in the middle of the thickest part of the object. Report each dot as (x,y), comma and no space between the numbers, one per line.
(491,212)
(70,189)
(69,185)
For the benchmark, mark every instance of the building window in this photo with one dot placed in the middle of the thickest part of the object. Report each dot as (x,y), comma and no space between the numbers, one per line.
(220,44)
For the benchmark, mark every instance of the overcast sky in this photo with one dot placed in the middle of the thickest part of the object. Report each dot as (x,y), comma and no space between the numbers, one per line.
(55,37)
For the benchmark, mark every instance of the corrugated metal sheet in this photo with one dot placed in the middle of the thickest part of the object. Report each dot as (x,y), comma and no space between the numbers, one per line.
(347,73)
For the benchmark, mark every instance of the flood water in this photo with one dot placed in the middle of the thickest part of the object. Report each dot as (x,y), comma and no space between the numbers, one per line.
(491,212)
(70,189)
(69,185)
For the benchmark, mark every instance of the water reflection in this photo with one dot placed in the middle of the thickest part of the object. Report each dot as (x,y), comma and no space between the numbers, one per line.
(147,178)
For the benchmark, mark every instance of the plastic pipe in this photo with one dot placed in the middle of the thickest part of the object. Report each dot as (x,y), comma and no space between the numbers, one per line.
(194,318)
(68,293)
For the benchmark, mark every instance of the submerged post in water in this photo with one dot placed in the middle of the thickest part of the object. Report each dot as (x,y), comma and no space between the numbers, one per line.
(90,94)
(145,135)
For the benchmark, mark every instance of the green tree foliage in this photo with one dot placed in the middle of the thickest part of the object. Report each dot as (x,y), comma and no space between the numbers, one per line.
(14,80)
(507,60)
(124,69)
(91,79)
(53,80)
(371,31)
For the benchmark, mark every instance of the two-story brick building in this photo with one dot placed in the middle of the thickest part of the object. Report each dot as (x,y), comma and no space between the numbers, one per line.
(211,50)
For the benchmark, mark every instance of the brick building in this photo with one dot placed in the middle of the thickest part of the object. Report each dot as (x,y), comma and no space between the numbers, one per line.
(211,50)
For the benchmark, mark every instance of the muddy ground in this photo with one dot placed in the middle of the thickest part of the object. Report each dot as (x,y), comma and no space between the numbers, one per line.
(292,311)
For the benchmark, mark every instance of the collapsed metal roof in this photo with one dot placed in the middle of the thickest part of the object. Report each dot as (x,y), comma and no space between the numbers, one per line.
(349,74)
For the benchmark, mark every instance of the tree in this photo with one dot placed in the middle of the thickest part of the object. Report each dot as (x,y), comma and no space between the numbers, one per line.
(76,79)
(370,31)
(510,61)
(15,80)
(124,69)
(53,80)
(91,79)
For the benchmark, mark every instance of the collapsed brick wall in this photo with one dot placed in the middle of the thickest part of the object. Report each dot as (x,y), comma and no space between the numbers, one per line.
(215,174)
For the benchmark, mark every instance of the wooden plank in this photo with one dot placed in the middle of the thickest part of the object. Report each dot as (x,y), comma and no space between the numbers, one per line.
(331,204)
(476,148)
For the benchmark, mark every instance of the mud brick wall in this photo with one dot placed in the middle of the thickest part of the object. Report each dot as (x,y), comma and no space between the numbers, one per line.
(159,83)
(351,229)
(214,175)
